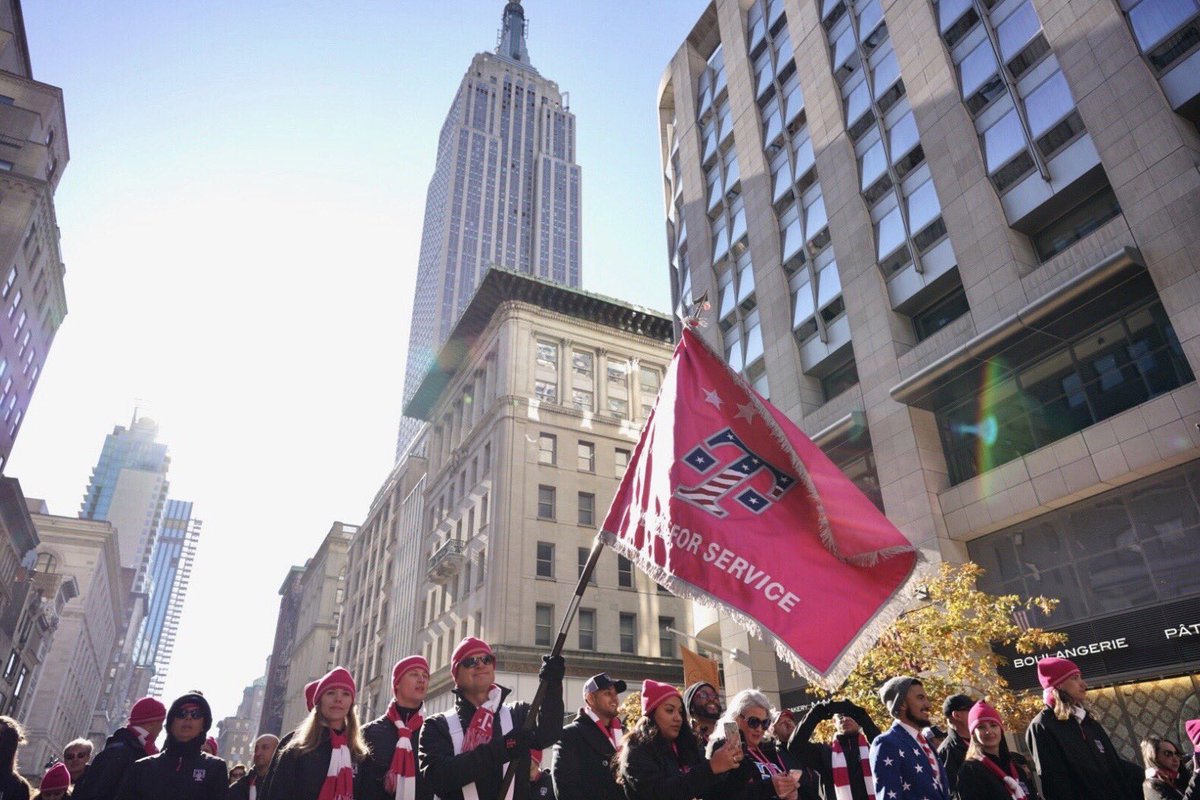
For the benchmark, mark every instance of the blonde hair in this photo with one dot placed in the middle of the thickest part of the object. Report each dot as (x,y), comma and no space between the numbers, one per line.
(308,735)
(1064,707)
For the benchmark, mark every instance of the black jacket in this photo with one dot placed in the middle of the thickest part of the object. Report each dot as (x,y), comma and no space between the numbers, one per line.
(1076,761)
(264,783)
(240,790)
(952,754)
(182,771)
(484,766)
(748,781)
(14,787)
(652,772)
(818,756)
(977,782)
(381,737)
(108,768)
(1154,789)
(583,768)
(296,776)
(542,788)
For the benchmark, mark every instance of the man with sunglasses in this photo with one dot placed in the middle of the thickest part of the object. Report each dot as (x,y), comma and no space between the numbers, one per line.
(583,758)
(704,709)
(123,748)
(462,753)
(182,771)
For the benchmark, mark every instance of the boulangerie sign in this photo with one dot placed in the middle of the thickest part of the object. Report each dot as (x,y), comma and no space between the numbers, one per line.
(727,502)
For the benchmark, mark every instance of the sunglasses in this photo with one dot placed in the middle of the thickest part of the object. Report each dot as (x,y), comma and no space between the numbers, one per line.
(754,723)
(190,713)
(486,660)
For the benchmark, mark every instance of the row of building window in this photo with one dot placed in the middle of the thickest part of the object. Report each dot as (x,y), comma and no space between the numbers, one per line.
(586,626)
(544,566)
(547,505)
(585,455)
(581,382)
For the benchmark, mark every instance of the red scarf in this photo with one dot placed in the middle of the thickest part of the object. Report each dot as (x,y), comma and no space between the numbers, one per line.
(339,780)
(1164,775)
(614,731)
(841,775)
(143,737)
(401,778)
(1011,781)
(480,730)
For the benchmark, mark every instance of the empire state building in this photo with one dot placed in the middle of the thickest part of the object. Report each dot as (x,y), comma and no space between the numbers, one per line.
(504,193)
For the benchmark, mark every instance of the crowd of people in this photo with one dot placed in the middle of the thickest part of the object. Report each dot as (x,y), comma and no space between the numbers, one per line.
(684,745)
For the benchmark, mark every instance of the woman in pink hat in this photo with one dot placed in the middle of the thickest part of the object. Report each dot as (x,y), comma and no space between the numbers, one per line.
(989,771)
(1075,757)
(323,760)
(660,758)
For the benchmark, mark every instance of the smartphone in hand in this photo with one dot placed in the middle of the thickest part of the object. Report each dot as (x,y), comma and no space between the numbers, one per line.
(732,734)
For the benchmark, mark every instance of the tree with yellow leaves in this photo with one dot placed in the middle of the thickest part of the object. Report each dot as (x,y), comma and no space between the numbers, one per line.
(947,642)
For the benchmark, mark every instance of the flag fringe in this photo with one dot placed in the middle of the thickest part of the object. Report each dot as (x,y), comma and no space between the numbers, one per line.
(843,664)
(824,529)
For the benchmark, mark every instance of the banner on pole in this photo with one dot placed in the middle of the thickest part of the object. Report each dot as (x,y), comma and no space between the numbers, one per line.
(728,503)
(698,669)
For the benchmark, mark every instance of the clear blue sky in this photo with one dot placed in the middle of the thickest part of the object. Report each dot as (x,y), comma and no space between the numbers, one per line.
(240,223)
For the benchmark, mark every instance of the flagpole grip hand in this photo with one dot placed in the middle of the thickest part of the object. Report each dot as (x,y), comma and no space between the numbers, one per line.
(514,745)
(553,669)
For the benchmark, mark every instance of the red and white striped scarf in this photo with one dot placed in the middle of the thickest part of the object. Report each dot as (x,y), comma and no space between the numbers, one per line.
(401,778)
(841,775)
(339,780)
(143,737)
(480,730)
(1011,781)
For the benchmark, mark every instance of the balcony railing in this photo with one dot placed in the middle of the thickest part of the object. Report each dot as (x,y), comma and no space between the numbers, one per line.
(446,561)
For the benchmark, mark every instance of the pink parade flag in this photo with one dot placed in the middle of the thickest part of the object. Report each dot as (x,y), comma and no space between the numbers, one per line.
(728,503)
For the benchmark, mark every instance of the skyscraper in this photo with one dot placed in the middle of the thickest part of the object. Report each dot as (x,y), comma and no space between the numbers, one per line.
(128,488)
(504,192)
(167,585)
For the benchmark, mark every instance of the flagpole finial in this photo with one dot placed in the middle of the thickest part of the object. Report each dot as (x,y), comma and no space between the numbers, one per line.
(698,306)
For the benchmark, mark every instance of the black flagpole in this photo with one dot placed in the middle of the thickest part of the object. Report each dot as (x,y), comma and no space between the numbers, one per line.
(534,707)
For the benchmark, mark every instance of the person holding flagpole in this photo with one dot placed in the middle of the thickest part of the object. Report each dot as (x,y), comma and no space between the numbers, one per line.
(393,737)
(462,752)
(661,759)
(902,762)
(582,767)
(844,764)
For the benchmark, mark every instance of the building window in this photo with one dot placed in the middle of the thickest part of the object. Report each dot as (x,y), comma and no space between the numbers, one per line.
(545,560)
(940,313)
(1099,372)
(650,382)
(587,629)
(583,554)
(587,508)
(586,457)
(666,639)
(628,632)
(839,379)
(545,391)
(545,502)
(1089,214)
(621,462)
(547,449)
(11,666)
(543,625)
(624,572)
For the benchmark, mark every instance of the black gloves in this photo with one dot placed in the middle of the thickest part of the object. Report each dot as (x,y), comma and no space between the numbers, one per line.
(514,745)
(553,669)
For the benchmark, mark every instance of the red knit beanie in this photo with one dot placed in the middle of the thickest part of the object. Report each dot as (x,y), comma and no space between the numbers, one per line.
(147,710)
(406,664)
(310,699)
(1192,727)
(469,646)
(982,712)
(1053,671)
(336,678)
(56,778)
(654,693)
